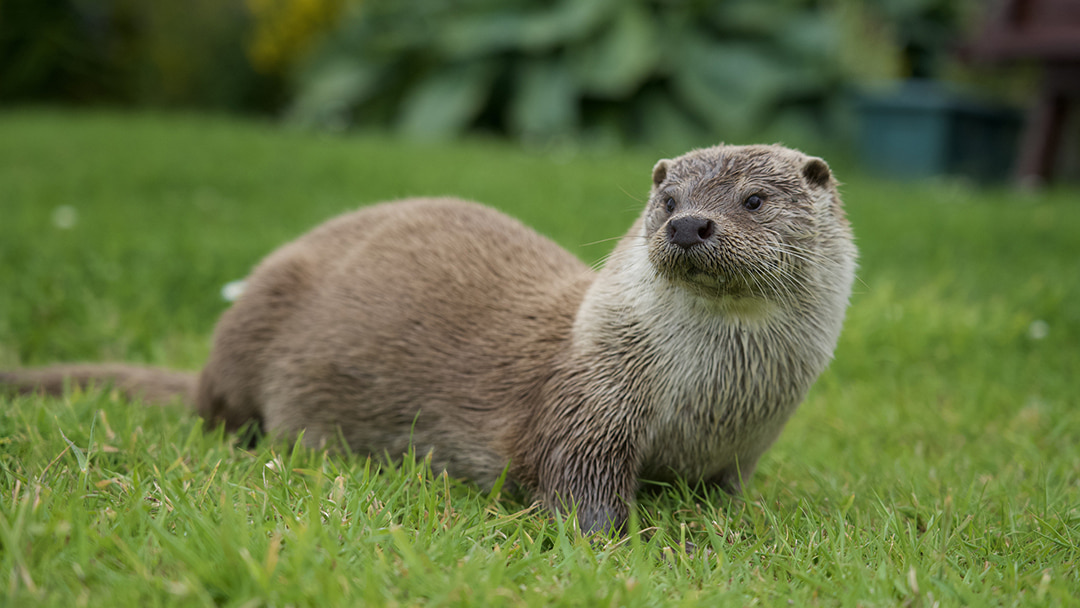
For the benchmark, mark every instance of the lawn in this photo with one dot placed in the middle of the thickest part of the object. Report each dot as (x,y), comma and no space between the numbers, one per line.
(936,461)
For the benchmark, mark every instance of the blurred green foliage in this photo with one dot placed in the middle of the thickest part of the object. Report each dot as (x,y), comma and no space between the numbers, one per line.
(673,73)
(172,53)
(634,69)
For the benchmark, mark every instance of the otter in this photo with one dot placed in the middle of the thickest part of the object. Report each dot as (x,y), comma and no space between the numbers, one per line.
(448,326)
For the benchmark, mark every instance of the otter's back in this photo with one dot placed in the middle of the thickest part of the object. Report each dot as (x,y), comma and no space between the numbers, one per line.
(421,318)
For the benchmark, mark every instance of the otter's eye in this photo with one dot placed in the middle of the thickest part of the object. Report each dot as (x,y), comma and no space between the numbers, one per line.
(752,202)
(669,204)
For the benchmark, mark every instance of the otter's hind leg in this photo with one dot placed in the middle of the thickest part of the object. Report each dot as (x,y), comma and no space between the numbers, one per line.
(234,411)
(231,386)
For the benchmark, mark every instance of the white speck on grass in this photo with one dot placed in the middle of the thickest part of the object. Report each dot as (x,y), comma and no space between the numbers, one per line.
(1038,329)
(65,217)
(232,290)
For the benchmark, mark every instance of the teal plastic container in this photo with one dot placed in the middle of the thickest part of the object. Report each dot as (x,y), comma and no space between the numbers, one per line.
(922,129)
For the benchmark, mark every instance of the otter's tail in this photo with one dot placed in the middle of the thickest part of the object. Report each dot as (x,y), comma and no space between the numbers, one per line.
(148,384)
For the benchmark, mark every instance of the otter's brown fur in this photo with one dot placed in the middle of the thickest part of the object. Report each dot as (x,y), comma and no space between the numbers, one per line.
(445,324)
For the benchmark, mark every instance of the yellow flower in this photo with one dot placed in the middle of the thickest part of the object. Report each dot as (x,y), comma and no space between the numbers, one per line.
(283,30)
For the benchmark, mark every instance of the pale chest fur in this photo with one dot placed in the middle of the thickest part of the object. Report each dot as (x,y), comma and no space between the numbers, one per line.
(722,389)
(713,382)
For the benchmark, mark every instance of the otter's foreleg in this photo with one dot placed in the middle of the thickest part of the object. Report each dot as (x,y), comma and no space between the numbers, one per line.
(594,473)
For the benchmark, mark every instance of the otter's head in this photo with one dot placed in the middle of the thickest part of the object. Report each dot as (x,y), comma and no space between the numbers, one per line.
(756,222)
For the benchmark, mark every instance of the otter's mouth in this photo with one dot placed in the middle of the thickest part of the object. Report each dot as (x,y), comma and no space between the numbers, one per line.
(718,285)
(707,279)
(704,276)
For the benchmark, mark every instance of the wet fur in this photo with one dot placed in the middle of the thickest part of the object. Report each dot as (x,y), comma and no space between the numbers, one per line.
(449,325)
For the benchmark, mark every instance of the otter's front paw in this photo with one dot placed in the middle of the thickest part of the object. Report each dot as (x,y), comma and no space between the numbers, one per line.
(602,519)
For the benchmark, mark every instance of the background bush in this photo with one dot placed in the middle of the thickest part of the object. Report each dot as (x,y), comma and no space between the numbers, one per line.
(630,69)
(670,72)
(665,71)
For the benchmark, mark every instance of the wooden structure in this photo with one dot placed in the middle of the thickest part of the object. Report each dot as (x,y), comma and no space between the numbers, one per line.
(1047,31)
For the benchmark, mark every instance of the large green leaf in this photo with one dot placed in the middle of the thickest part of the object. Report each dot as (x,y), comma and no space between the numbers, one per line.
(508,29)
(746,18)
(332,90)
(443,104)
(811,39)
(545,101)
(477,35)
(667,126)
(733,87)
(389,28)
(570,20)
(616,64)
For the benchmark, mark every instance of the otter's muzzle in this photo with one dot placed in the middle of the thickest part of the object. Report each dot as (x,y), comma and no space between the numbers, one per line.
(690,230)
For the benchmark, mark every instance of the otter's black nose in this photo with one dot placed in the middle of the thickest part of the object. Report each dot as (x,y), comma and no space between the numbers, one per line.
(690,230)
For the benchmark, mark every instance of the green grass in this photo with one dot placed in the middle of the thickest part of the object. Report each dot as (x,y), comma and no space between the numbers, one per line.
(937,460)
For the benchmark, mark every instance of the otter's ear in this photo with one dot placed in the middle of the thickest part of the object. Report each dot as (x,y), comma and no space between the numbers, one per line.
(817,172)
(659,171)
